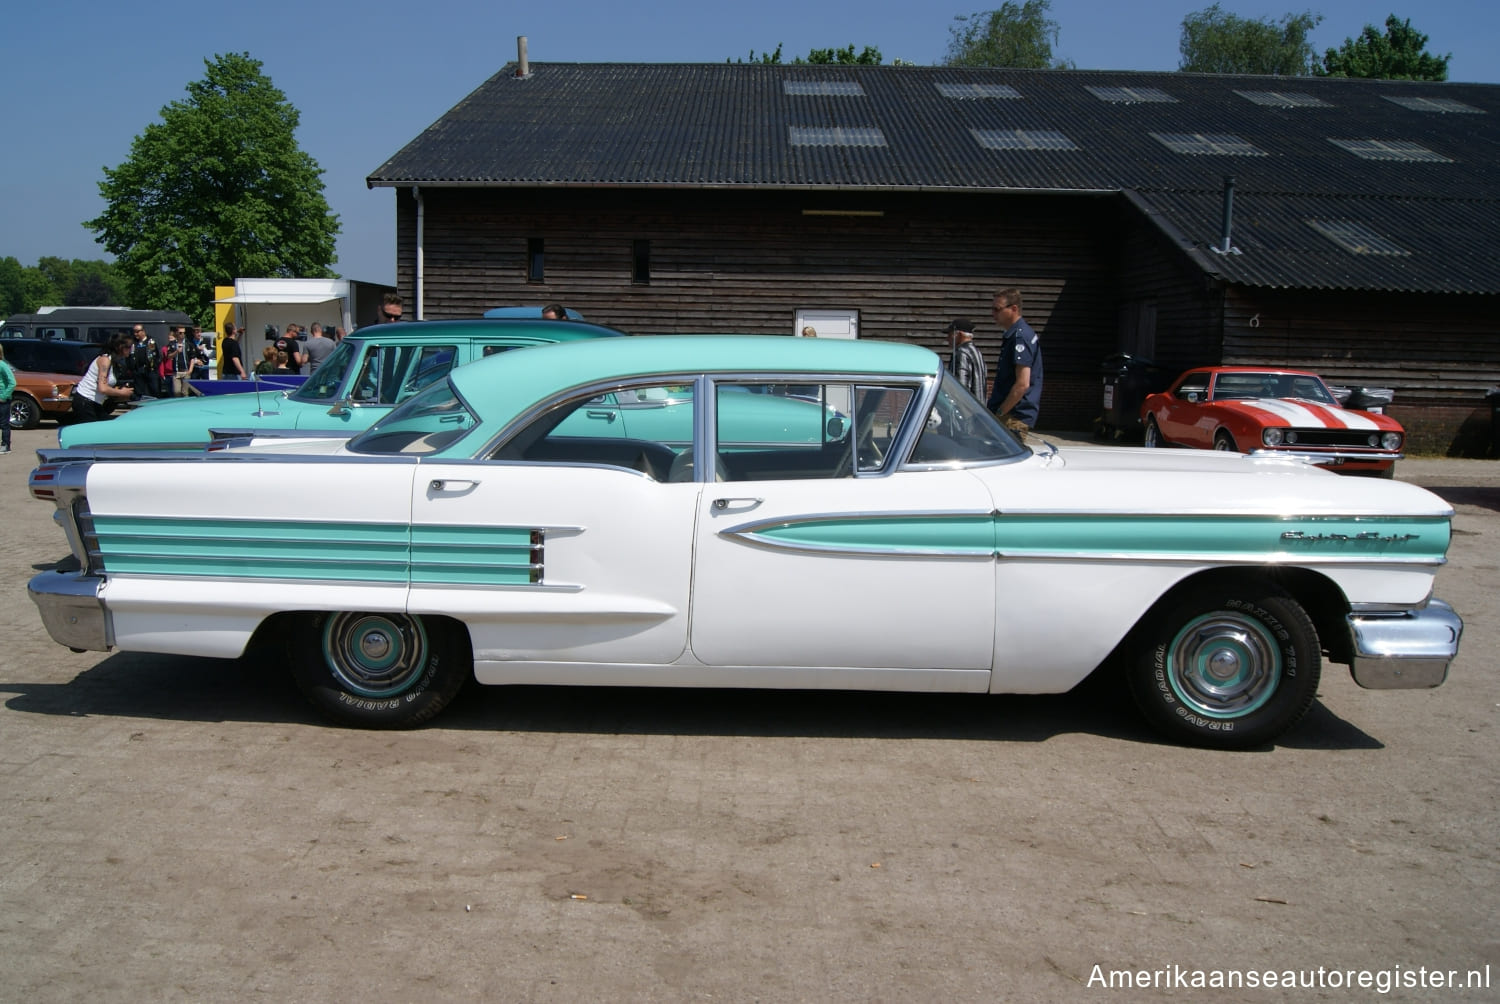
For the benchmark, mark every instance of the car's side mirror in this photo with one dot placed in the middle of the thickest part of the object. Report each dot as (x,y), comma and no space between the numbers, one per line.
(1193,397)
(341,408)
(837,426)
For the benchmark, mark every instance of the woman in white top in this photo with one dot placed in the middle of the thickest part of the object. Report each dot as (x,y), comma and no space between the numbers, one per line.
(98,384)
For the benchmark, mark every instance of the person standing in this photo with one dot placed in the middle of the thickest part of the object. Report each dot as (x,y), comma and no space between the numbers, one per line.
(166,362)
(290,342)
(391,309)
(99,382)
(232,355)
(7,389)
(317,348)
(966,362)
(1016,398)
(143,364)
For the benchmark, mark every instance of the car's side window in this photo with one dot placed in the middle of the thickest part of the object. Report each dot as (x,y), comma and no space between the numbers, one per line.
(960,430)
(392,373)
(1192,391)
(804,431)
(595,429)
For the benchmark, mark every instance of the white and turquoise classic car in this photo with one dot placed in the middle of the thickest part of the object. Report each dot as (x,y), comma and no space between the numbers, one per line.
(737,511)
(365,376)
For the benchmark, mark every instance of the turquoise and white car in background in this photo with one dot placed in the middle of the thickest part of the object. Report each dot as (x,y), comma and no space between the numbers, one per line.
(365,376)
(739,511)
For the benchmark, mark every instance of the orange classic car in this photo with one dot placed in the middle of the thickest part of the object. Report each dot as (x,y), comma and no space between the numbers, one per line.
(1275,412)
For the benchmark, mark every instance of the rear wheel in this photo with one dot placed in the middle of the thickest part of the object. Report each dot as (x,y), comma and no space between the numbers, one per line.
(380,670)
(24,413)
(1229,666)
(1225,442)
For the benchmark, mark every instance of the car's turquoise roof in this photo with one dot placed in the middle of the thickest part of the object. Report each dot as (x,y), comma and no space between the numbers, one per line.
(550,331)
(521,379)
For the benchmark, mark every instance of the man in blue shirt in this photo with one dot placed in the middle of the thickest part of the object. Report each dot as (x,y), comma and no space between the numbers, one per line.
(1017,395)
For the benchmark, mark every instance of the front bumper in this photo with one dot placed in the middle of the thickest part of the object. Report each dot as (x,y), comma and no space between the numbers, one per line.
(1330,457)
(1406,649)
(72,610)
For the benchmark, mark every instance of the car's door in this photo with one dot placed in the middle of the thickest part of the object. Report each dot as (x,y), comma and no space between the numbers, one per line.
(1179,419)
(817,566)
(562,549)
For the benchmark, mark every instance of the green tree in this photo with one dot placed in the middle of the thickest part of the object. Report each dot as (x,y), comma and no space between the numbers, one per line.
(1216,41)
(217,189)
(1020,35)
(868,56)
(12,289)
(1400,54)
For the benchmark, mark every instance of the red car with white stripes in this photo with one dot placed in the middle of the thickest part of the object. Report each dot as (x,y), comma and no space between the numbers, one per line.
(1272,412)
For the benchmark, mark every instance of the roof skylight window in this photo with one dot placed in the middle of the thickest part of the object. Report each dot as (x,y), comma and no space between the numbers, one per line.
(1283,99)
(836,136)
(1022,139)
(1132,95)
(1442,105)
(970,92)
(1356,237)
(1198,143)
(1390,149)
(824,88)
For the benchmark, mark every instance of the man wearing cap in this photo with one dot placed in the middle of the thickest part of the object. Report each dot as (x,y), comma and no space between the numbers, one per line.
(966,363)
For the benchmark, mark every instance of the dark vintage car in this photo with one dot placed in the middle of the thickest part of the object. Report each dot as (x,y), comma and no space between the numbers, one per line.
(1284,413)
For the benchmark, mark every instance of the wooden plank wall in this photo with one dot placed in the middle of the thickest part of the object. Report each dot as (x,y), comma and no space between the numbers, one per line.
(745,262)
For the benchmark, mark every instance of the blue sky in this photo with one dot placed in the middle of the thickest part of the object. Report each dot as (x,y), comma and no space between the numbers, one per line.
(85,77)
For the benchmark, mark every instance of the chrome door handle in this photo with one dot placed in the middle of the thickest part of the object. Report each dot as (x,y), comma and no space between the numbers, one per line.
(722,504)
(450,485)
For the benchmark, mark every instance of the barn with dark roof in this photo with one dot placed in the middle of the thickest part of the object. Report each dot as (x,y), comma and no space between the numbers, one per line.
(1346,226)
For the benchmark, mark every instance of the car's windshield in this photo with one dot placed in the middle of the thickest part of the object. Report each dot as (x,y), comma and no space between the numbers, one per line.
(1299,386)
(324,384)
(426,423)
(960,429)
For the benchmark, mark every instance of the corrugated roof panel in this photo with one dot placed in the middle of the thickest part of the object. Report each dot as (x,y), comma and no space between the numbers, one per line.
(737,125)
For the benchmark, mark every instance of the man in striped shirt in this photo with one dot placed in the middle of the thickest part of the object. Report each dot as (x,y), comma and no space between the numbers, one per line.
(966,363)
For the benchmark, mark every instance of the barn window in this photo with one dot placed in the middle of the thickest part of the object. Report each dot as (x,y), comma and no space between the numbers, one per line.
(1390,149)
(1207,143)
(1022,139)
(823,88)
(1441,105)
(836,136)
(1283,99)
(1132,95)
(640,261)
(1356,237)
(970,92)
(535,270)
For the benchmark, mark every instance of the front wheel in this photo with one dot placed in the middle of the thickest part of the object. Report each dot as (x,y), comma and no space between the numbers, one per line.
(1227,667)
(1224,442)
(24,413)
(380,670)
(1153,434)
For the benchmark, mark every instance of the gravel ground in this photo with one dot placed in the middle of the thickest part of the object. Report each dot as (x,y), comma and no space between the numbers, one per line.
(187,829)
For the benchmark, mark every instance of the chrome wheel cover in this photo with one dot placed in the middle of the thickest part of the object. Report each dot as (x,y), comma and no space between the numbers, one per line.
(375,655)
(1224,665)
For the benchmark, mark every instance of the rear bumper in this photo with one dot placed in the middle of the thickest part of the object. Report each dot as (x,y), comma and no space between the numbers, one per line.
(1405,650)
(72,610)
